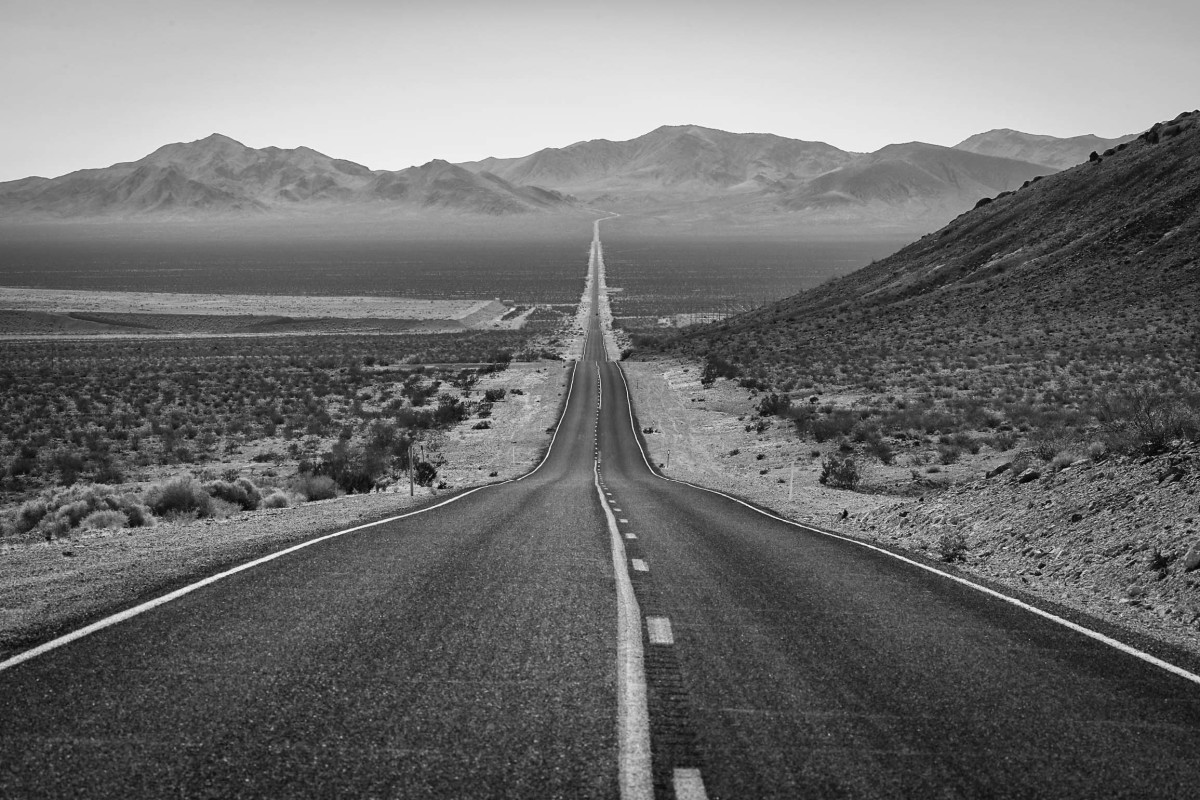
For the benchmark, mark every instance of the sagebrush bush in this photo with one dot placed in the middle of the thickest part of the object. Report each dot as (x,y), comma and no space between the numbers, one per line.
(839,472)
(99,520)
(314,487)
(276,499)
(952,546)
(179,496)
(241,492)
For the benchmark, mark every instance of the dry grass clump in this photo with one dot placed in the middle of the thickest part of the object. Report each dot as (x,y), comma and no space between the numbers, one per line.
(55,513)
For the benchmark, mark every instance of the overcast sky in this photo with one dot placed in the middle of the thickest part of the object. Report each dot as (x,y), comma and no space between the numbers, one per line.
(392,84)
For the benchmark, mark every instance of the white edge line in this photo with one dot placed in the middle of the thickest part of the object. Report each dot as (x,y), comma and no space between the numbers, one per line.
(634,776)
(141,608)
(1100,637)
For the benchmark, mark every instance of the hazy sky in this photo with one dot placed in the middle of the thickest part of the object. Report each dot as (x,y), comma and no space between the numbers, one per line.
(392,84)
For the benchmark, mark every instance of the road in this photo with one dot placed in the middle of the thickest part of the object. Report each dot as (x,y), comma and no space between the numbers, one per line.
(592,630)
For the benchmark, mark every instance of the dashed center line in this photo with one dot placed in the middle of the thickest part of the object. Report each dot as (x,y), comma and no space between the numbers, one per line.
(640,566)
(631,535)
(659,629)
(688,784)
(622,519)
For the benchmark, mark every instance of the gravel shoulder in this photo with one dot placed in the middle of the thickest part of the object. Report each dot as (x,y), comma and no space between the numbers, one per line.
(49,589)
(1116,540)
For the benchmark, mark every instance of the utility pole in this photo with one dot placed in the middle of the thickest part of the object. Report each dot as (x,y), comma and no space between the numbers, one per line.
(411,490)
(792,482)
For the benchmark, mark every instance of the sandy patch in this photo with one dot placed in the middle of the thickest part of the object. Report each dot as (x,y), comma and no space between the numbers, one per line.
(472,312)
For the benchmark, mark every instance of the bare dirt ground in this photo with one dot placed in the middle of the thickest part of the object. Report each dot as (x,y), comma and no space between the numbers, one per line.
(41,312)
(1117,539)
(46,589)
(19,299)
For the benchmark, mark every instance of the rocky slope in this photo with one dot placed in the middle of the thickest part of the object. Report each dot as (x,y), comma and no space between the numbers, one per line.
(1050,296)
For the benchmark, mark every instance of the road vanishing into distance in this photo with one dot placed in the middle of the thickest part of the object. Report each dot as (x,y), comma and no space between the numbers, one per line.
(592,630)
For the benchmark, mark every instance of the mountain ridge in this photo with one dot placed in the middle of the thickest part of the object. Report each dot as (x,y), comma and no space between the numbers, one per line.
(218,175)
(675,174)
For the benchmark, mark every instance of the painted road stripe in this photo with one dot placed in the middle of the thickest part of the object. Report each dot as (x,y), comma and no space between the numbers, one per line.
(631,535)
(659,629)
(640,566)
(688,784)
(1099,637)
(634,777)
(142,608)
(624,520)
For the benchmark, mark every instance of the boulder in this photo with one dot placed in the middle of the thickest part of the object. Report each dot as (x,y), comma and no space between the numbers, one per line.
(1007,465)
(1028,475)
(1191,560)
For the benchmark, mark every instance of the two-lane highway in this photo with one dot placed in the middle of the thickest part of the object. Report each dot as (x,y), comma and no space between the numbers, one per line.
(593,630)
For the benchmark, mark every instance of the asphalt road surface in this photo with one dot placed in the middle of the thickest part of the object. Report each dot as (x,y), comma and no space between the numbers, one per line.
(593,630)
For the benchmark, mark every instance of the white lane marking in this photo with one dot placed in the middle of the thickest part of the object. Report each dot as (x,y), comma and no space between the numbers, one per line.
(616,509)
(631,535)
(142,608)
(659,629)
(640,565)
(1096,635)
(688,784)
(634,777)
(624,520)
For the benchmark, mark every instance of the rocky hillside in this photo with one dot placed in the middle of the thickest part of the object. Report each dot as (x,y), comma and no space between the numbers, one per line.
(1042,310)
(217,175)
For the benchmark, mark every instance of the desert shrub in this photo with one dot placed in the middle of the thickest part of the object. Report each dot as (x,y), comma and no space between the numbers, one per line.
(242,492)
(1003,441)
(837,423)
(354,469)
(98,520)
(449,410)
(948,453)
(716,367)
(952,546)
(31,513)
(839,472)
(54,529)
(424,473)
(773,405)
(1145,419)
(314,487)
(881,450)
(138,514)
(494,395)
(179,496)
(276,499)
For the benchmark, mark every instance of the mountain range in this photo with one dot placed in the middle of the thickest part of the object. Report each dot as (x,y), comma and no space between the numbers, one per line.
(672,172)
(220,176)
